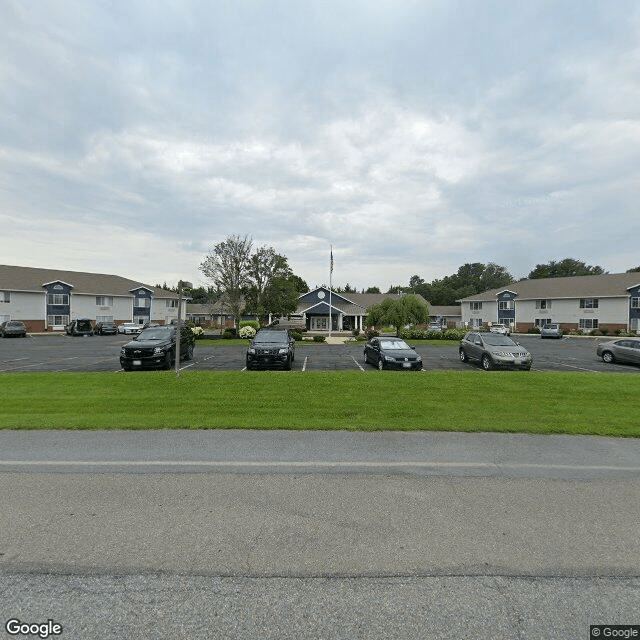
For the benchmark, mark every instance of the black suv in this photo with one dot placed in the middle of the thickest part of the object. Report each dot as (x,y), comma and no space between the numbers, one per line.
(271,348)
(155,348)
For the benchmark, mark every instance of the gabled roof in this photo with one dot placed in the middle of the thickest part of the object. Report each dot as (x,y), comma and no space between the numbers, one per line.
(14,278)
(608,285)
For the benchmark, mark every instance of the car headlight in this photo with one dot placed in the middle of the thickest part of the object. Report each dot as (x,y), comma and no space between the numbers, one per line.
(123,352)
(251,351)
(158,350)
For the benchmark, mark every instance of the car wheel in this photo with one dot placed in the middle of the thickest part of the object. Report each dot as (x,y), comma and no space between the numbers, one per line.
(380,364)
(607,357)
(463,356)
(287,365)
(167,360)
(487,365)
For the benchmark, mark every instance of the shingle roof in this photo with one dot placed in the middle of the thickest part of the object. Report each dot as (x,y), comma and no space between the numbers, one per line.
(600,286)
(31,279)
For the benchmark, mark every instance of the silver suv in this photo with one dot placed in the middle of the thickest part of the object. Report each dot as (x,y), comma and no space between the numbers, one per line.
(493,350)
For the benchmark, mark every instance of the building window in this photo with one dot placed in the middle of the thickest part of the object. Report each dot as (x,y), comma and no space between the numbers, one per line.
(172,303)
(104,301)
(506,304)
(476,306)
(142,302)
(476,322)
(588,323)
(58,299)
(57,321)
(635,303)
(5,296)
(543,304)
(588,303)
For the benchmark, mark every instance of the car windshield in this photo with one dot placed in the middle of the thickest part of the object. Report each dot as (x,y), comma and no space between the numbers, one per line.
(551,326)
(498,340)
(155,333)
(394,344)
(15,323)
(270,336)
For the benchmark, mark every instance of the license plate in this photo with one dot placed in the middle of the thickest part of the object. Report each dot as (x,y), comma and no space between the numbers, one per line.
(517,362)
(406,365)
(137,363)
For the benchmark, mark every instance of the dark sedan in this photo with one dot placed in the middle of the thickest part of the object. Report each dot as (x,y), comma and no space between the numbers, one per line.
(80,327)
(13,328)
(392,353)
(623,350)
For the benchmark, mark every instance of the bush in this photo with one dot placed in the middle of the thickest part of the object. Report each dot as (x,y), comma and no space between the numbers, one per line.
(198,332)
(229,333)
(319,338)
(355,333)
(534,330)
(249,323)
(296,335)
(371,333)
(247,332)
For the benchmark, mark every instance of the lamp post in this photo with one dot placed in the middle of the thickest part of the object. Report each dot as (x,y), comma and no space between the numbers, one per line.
(181,284)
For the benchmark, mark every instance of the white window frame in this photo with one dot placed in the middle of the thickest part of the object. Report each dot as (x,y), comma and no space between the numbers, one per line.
(142,303)
(635,303)
(588,323)
(475,306)
(543,304)
(589,303)
(53,297)
(104,301)
(5,296)
(506,305)
(51,320)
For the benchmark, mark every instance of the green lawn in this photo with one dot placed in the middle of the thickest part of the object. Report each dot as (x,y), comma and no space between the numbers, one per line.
(530,402)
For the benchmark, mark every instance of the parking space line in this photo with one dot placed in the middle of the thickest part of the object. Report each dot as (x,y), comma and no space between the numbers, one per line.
(304,364)
(358,364)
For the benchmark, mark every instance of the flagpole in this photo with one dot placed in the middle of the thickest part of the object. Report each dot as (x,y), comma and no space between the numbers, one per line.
(330,286)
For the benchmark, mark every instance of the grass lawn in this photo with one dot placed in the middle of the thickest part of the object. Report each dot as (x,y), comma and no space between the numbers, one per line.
(530,402)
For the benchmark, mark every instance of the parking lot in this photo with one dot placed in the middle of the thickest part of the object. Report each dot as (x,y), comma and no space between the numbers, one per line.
(101,353)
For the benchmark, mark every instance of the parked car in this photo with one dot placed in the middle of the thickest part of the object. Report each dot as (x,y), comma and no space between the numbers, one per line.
(623,350)
(13,328)
(504,329)
(494,350)
(551,331)
(391,353)
(105,328)
(271,348)
(155,348)
(129,328)
(80,327)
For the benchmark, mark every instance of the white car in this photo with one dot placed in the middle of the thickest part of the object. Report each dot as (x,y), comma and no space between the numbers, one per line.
(500,328)
(129,327)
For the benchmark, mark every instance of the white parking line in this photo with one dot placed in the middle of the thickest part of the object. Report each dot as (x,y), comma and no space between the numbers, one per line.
(304,364)
(570,366)
(357,364)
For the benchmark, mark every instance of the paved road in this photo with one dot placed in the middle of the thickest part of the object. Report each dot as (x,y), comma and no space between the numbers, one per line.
(233,534)
(101,353)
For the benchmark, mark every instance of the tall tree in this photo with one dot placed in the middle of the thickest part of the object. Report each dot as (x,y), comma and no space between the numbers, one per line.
(228,267)
(564,268)
(265,266)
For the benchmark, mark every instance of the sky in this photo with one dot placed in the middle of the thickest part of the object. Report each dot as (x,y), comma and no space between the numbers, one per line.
(411,136)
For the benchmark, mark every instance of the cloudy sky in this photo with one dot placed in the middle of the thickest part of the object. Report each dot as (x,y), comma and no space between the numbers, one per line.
(412,135)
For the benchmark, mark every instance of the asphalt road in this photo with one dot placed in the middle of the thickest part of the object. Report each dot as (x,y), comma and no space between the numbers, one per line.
(235,534)
(101,353)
